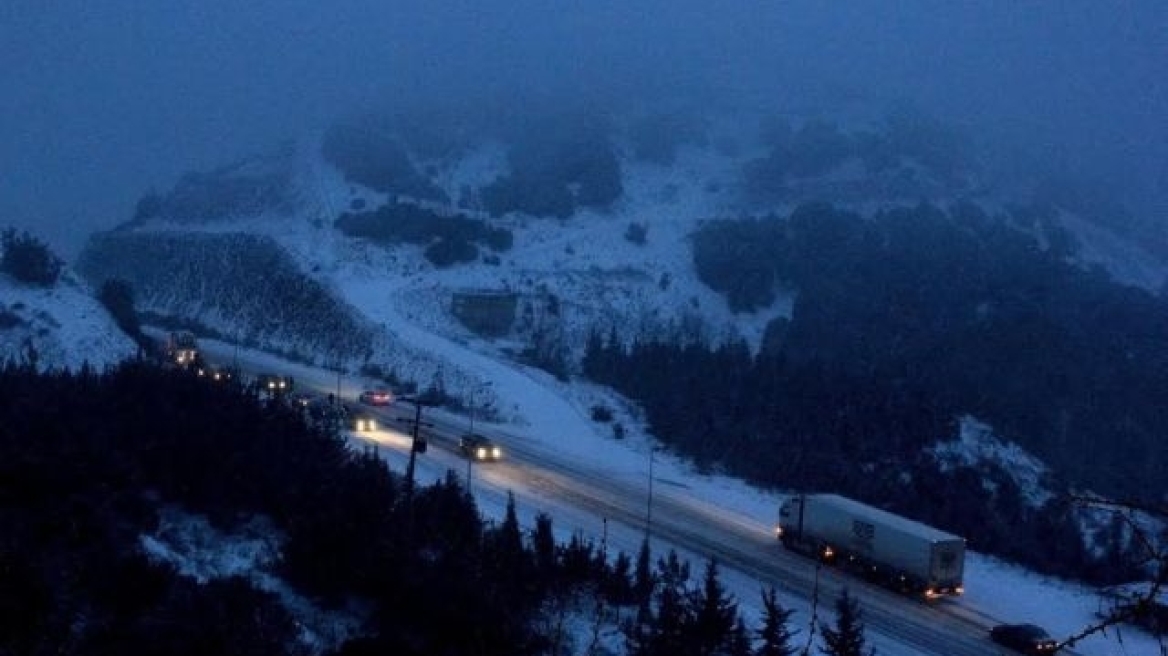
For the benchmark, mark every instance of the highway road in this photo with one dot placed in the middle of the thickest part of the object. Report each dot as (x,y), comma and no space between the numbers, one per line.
(699,526)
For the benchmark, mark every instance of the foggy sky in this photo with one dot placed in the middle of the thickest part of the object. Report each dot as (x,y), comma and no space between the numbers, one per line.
(100,101)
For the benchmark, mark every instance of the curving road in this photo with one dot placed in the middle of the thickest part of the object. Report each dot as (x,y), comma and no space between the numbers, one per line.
(699,526)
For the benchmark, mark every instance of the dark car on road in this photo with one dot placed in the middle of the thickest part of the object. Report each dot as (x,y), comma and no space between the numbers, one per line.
(1024,638)
(377,396)
(479,447)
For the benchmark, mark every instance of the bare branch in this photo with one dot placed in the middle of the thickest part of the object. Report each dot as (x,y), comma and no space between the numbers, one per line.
(1141,606)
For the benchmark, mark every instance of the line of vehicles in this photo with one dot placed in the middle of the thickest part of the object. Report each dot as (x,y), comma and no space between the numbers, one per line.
(893,551)
(182,351)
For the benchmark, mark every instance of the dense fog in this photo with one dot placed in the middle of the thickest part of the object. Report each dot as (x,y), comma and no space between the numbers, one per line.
(102,101)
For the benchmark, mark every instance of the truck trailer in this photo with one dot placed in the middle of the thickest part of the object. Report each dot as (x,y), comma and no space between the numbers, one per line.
(894,551)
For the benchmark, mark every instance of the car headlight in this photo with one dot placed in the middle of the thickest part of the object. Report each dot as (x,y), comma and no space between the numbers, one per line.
(496,452)
(481,453)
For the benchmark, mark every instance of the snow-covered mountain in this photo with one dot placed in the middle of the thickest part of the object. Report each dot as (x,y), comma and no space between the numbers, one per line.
(58,327)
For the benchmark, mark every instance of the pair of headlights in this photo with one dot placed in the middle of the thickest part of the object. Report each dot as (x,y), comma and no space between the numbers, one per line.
(483,453)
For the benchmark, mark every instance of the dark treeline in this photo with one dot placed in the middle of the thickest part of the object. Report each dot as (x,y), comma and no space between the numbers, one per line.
(27,259)
(448,240)
(89,460)
(901,324)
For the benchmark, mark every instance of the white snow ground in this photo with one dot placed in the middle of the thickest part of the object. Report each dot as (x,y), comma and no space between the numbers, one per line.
(64,323)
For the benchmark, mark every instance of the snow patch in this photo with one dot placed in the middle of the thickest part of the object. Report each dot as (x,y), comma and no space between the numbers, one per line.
(976,444)
(196,549)
(65,325)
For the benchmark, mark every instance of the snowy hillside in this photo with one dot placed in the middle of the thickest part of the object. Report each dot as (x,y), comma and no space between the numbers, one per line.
(62,326)
(625,268)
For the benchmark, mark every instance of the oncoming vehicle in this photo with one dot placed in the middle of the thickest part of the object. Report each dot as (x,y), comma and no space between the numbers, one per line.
(362,423)
(1024,638)
(273,384)
(379,396)
(479,447)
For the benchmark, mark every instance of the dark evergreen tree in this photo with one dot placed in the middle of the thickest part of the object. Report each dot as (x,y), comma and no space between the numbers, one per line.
(638,633)
(543,543)
(509,553)
(776,634)
(28,259)
(643,582)
(618,587)
(673,619)
(739,643)
(118,298)
(577,560)
(714,613)
(846,637)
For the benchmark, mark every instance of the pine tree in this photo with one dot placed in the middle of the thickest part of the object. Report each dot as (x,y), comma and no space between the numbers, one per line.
(674,615)
(715,613)
(638,633)
(739,642)
(510,556)
(544,544)
(847,637)
(618,588)
(643,583)
(510,538)
(775,633)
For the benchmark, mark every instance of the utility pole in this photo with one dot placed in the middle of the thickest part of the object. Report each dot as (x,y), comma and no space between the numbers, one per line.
(417,445)
(470,431)
(473,392)
(649,508)
(469,462)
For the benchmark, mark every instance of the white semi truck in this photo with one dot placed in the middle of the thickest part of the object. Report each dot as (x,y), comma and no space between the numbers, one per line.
(900,553)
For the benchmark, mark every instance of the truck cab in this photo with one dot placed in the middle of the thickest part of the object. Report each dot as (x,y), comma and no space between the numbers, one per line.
(182,349)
